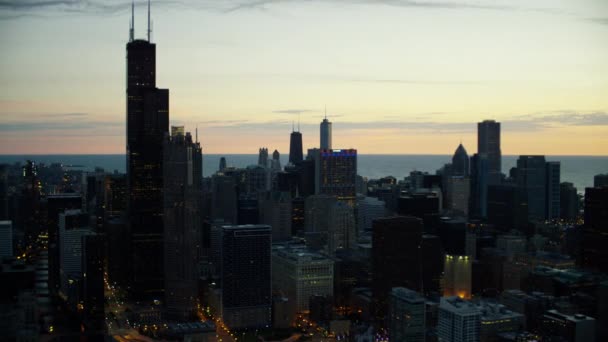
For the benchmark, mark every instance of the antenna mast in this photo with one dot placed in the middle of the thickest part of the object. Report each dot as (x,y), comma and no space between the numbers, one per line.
(148,20)
(132,28)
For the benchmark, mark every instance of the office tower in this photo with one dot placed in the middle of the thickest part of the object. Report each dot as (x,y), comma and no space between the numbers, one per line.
(223,198)
(246,276)
(57,204)
(423,205)
(335,173)
(478,200)
(299,273)
(532,178)
(396,257)
(459,320)
(432,264)
(275,163)
(458,191)
(457,276)
(297,215)
(248,209)
(296,150)
(73,226)
(369,209)
(460,162)
(6,239)
(488,144)
(93,256)
(3,192)
(507,207)
(183,175)
(325,134)
(115,195)
(600,180)
(222,164)
(407,315)
(342,232)
(263,157)
(256,179)
(569,203)
(552,170)
(276,211)
(595,230)
(557,326)
(147,124)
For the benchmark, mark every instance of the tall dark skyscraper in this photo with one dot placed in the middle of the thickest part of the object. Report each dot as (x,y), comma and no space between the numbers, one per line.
(532,178)
(147,124)
(553,190)
(488,144)
(595,230)
(183,190)
(325,134)
(335,172)
(246,276)
(295,148)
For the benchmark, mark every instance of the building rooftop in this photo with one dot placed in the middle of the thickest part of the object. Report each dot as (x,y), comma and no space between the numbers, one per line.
(407,294)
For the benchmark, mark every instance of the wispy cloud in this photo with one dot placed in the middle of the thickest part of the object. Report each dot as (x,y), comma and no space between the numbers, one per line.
(292,111)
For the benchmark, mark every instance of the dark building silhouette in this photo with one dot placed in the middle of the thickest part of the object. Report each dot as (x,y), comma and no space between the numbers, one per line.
(245,276)
(460,162)
(595,230)
(396,257)
(93,256)
(432,264)
(222,164)
(147,124)
(531,177)
(488,144)
(296,154)
(3,192)
(183,191)
(263,157)
(569,204)
(478,199)
(423,205)
(335,173)
(508,208)
(325,129)
(553,194)
(600,180)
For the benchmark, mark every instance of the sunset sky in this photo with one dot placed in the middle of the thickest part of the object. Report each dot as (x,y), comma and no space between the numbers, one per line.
(397,76)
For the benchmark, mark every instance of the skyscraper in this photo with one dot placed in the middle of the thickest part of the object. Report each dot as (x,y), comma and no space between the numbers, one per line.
(335,173)
(147,123)
(296,154)
(532,178)
(553,190)
(407,315)
(325,134)
(478,200)
(263,157)
(488,144)
(595,231)
(183,189)
(459,321)
(460,162)
(246,276)
(396,257)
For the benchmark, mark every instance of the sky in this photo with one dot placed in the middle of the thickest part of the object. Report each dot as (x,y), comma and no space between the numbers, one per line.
(396,76)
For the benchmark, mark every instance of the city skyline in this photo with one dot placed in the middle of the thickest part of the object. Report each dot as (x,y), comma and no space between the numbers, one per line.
(244,71)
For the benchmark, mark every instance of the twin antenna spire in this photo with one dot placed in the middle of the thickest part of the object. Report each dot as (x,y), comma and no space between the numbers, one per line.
(132,28)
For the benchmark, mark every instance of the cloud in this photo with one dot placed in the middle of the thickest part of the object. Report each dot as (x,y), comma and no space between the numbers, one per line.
(292,111)
(602,21)
(418,82)
(37,122)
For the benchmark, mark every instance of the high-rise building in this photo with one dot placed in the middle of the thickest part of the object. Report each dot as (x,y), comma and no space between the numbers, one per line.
(223,198)
(298,274)
(263,157)
(460,162)
(553,190)
(396,257)
(246,276)
(93,256)
(73,226)
(6,239)
(325,134)
(335,173)
(342,232)
(296,151)
(459,320)
(275,163)
(600,180)
(276,211)
(478,200)
(182,192)
(458,193)
(595,230)
(532,178)
(3,192)
(569,203)
(369,209)
(222,164)
(488,145)
(507,207)
(147,124)
(457,276)
(407,311)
